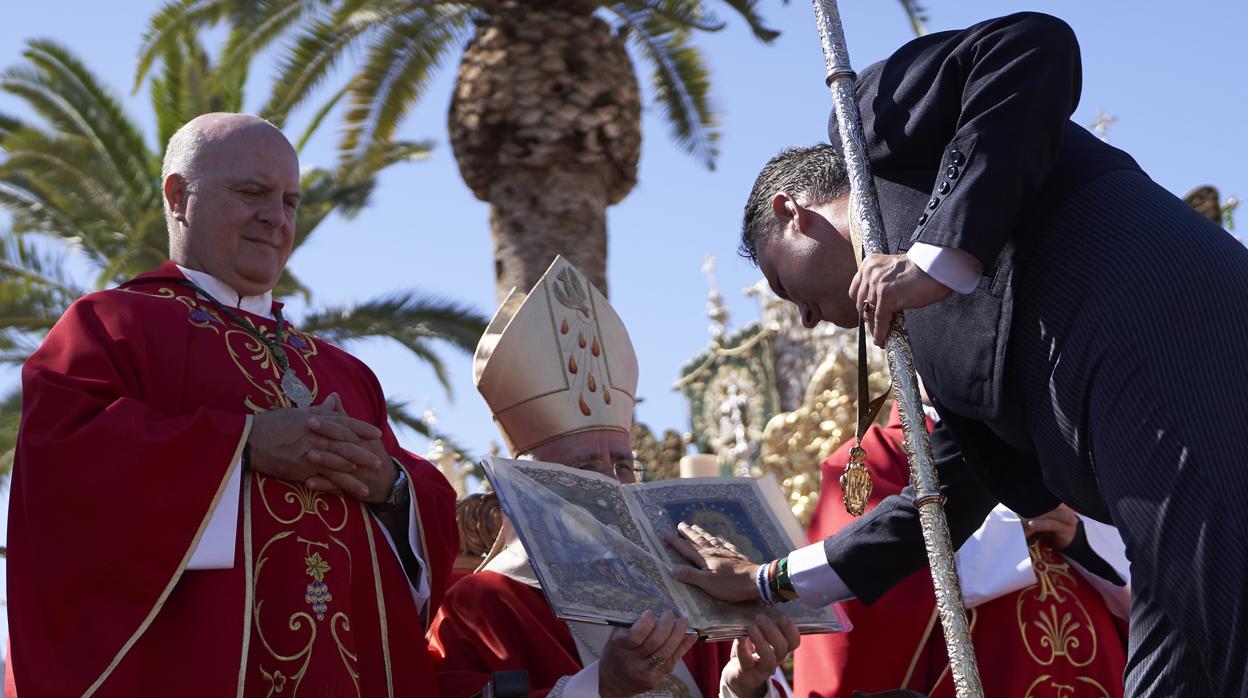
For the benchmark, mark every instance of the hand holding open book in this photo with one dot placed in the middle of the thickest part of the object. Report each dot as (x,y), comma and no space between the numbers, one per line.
(598,546)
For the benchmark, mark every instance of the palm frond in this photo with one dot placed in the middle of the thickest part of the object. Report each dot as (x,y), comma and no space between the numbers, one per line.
(97,112)
(310,60)
(401,315)
(170,24)
(271,18)
(399,414)
(8,125)
(346,188)
(65,171)
(33,213)
(10,418)
(395,75)
(34,292)
(691,15)
(406,318)
(917,15)
(25,268)
(289,285)
(748,9)
(319,117)
(681,82)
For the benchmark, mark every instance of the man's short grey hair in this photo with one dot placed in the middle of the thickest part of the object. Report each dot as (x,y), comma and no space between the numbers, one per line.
(182,158)
(813,175)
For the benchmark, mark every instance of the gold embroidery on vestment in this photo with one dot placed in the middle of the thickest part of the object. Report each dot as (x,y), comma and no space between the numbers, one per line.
(1052,621)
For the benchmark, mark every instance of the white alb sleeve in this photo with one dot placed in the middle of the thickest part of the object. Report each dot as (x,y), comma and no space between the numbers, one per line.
(215,550)
(1106,542)
(995,561)
(582,684)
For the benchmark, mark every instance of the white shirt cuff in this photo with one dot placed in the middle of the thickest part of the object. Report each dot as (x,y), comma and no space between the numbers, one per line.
(1106,542)
(995,561)
(582,684)
(956,269)
(814,580)
(215,550)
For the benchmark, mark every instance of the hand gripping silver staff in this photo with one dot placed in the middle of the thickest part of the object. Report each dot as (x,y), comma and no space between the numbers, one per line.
(864,209)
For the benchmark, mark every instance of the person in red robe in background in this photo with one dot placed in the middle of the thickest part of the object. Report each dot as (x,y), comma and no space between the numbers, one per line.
(559,372)
(200,489)
(1039,625)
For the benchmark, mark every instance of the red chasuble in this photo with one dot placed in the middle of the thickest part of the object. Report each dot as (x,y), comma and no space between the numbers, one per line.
(491,622)
(136,408)
(1055,639)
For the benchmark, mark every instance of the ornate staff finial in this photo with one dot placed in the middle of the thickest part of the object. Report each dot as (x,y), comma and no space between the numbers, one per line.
(1101,126)
(715,308)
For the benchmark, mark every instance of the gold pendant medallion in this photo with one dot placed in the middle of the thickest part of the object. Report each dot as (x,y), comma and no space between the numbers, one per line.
(856,482)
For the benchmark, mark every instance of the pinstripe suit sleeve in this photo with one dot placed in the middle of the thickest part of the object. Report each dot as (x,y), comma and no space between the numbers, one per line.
(886,545)
(988,106)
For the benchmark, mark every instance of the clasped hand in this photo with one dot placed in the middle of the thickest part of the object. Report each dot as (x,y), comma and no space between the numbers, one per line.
(323,448)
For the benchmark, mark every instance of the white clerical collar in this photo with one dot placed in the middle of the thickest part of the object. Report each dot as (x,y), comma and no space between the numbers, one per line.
(261,305)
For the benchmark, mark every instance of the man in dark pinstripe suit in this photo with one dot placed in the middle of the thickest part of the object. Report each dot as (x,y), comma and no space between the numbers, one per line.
(1079,328)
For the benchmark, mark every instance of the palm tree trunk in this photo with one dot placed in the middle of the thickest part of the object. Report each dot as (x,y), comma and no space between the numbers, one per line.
(535,215)
(545,124)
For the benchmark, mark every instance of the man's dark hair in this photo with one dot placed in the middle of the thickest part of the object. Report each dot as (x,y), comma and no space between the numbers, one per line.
(814,175)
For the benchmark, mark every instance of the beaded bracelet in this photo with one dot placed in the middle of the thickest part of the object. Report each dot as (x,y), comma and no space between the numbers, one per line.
(784,586)
(773,591)
(760,580)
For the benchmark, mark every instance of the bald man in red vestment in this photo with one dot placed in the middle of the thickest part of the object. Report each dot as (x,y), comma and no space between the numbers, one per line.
(207,501)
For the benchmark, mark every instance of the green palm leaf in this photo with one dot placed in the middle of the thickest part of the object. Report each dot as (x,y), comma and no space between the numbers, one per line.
(10,415)
(311,59)
(406,318)
(96,112)
(681,82)
(400,414)
(172,22)
(395,74)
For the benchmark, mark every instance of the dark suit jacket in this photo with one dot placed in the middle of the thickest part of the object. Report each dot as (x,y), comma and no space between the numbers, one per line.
(971,146)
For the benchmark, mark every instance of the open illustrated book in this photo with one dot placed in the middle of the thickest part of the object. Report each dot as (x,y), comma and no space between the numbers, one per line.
(597,546)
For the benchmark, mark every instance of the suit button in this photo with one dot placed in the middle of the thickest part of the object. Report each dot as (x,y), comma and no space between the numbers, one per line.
(943,188)
(955,156)
(951,172)
(922,219)
(933,203)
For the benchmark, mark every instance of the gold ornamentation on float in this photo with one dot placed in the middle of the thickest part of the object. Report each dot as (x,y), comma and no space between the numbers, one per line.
(795,443)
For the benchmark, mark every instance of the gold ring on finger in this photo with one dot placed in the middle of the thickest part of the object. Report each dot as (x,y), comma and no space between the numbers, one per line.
(656,661)
(868,308)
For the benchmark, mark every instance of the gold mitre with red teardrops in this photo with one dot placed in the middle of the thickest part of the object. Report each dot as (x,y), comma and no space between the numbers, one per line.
(556,361)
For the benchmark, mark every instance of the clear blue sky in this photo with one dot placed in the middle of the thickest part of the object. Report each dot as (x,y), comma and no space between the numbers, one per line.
(1174,75)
